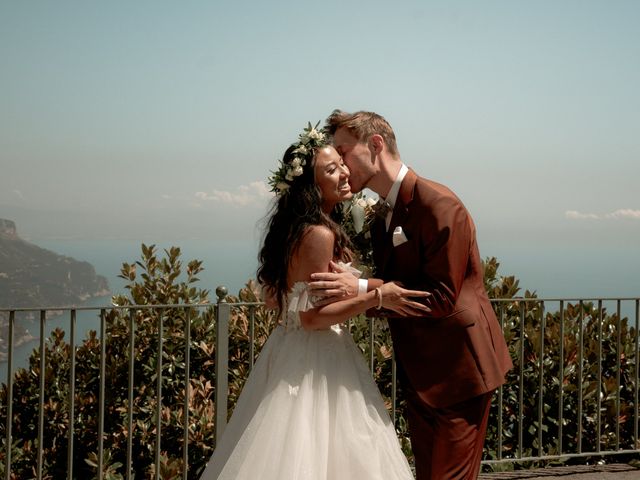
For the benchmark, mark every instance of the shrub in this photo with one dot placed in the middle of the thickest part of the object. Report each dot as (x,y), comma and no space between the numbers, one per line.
(157,281)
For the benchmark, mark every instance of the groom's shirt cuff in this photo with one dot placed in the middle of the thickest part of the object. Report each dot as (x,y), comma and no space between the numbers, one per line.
(363,283)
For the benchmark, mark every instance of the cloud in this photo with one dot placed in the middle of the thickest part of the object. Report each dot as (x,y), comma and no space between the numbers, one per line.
(575,215)
(244,195)
(624,213)
(18,194)
(618,214)
(165,196)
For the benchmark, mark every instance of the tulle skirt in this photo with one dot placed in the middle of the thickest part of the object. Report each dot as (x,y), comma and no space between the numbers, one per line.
(310,410)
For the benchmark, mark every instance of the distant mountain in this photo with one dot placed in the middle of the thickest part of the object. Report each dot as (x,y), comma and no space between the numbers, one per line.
(31,276)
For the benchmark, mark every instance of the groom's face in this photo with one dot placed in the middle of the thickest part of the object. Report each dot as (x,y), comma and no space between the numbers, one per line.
(357,156)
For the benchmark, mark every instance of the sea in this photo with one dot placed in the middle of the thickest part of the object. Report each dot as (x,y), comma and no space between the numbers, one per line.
(568,271)
(228,264)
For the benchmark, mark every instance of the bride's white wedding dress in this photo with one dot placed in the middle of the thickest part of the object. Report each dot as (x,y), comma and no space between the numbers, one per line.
(310,410)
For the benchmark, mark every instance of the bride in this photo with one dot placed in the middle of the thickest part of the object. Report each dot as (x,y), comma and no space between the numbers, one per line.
(310,408)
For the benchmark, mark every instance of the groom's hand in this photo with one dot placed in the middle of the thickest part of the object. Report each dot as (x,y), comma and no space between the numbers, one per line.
(332,286)
(399,301)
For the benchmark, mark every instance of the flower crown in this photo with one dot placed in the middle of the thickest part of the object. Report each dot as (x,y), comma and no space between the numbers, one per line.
(311,139)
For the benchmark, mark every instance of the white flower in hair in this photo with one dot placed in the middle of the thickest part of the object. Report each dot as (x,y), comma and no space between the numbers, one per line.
(310,140)
(281,186)
(315,134)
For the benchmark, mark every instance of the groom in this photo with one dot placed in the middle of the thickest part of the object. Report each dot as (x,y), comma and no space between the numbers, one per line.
(453,358)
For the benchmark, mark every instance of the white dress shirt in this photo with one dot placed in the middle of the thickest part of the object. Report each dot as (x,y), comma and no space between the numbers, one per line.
(391,198)
(393,193)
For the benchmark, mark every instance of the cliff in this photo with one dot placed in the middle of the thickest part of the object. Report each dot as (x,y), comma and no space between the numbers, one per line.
(7,229)
(31,276)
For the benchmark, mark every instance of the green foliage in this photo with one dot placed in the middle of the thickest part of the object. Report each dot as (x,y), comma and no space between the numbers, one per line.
(152,281)
(573,341)
(158,281)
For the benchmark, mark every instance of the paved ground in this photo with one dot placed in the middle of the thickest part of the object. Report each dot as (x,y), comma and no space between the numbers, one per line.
(578,472)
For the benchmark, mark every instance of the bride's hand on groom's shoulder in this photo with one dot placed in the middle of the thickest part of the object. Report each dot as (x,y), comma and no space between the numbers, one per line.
(329,287)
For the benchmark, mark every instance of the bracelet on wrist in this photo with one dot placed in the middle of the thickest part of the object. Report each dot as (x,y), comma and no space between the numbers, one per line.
(379,297)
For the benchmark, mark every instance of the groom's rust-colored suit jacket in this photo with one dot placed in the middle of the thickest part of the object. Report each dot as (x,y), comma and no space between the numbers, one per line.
(457,351)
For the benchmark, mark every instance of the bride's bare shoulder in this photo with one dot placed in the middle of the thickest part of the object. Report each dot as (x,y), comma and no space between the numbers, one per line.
(313,254)
(318,234)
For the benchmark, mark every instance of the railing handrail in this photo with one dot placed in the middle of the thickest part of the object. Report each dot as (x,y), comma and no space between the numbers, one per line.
(249,304)
(562,299)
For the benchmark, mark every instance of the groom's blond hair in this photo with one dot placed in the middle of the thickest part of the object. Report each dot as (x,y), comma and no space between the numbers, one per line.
(362,125)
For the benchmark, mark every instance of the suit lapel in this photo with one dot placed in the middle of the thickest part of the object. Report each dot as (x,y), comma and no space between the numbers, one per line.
(400,210)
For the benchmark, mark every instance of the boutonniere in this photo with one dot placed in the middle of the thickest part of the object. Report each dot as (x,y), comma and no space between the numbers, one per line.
(358,216)
(362,211)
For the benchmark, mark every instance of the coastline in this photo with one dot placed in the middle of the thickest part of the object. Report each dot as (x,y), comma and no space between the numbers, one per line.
(27,322)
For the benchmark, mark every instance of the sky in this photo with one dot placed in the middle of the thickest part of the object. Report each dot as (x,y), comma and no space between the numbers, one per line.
(162,120)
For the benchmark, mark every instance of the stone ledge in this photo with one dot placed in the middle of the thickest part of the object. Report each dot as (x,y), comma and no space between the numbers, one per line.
(577,472)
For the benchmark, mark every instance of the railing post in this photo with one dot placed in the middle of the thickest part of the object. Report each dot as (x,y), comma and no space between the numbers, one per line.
(159,394)
(636,386)
(9,439)
(394,380)
(521,380)
(252,337)
(187,386)
(541,388)
(618,367)
(371,345)
(72,391)
(580,374)
(599,381)
(561,379)
(102,391)
(222,360)
(43,319)
(500,390)
(132,360)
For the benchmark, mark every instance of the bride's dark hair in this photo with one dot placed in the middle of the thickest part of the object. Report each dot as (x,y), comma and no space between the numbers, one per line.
(295,210)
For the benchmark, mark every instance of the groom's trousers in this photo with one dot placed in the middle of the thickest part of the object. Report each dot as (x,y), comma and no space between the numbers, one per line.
(447,442)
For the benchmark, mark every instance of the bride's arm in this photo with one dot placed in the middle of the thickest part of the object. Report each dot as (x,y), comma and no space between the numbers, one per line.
(314,255)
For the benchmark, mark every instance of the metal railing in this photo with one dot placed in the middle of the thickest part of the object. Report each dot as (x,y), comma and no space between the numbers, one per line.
(555,368)
(567,379)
